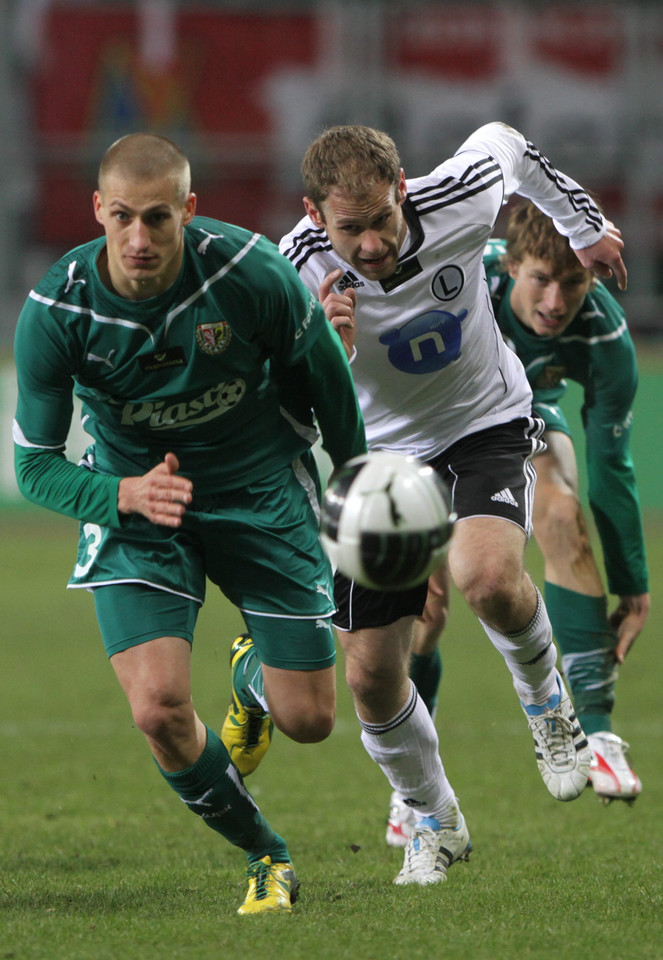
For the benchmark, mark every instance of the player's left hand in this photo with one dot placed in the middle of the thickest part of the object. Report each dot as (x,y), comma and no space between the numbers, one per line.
(628,619)
(605,257)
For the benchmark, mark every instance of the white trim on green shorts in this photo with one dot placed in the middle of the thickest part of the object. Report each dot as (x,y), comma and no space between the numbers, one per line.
(146,583)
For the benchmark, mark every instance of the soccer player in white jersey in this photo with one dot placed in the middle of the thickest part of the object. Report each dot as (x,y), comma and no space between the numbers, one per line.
(565,325)
(398,268)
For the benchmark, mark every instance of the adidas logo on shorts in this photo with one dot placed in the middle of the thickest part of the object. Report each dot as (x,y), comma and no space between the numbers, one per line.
(505,496)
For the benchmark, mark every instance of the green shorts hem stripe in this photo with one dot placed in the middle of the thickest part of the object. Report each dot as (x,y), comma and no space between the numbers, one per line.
(305,665)
(290,616)
(145,583)
(118,646)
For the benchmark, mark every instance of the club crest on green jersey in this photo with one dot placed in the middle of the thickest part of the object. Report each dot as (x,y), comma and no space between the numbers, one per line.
(213,338)
(550,377)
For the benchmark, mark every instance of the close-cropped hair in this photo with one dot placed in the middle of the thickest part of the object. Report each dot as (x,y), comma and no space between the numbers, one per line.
(147,156)
(531,233)
(353,158)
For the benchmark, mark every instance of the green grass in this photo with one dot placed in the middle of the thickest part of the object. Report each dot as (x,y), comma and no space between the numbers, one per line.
(99,860)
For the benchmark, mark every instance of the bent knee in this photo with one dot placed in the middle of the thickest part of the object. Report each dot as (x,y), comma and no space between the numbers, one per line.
(159,718)
(492,594)
(303,726)
(368,684)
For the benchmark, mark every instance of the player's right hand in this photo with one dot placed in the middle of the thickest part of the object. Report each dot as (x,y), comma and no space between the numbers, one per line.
(628,620)
(604,258)
(339,309)
(160,494)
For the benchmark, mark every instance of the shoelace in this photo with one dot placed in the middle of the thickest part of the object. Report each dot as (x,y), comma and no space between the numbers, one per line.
(254,730)
(261,873)
(553,732)
(421,841)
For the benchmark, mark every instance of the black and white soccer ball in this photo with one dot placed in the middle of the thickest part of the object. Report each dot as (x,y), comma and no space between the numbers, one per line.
(386,520)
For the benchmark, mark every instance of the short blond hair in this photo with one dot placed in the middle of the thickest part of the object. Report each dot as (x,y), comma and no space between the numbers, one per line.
(147,156)
(353,158)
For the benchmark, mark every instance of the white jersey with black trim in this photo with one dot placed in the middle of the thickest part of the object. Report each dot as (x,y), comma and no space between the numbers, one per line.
(431,365)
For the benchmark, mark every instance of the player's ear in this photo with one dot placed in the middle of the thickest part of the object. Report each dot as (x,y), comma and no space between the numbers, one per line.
(512,267)
(98,204)
(402,186)
(313,212)
(190,208)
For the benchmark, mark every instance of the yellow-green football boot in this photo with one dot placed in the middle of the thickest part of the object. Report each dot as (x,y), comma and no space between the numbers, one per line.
(273,887)
(247,731)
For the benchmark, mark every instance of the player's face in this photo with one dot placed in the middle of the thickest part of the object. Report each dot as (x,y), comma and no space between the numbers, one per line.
(144,222)
(547,302)
(367,233)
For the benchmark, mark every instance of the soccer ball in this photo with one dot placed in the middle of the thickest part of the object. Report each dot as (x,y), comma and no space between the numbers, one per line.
(386,520)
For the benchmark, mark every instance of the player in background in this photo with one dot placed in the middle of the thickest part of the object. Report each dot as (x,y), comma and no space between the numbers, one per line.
(564,324)
(174,330)
(398,267)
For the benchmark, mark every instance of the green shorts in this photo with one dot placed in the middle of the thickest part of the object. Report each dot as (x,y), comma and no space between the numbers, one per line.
(552,416)
(258,543)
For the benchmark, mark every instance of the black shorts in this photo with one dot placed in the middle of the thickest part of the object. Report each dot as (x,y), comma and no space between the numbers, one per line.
(489,474)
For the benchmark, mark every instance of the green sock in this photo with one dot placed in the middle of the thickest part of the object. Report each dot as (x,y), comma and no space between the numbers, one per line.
(426,673)
(587,643)
(213,789)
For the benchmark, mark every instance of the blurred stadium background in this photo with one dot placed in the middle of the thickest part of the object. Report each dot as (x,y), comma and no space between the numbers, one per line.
(243,87)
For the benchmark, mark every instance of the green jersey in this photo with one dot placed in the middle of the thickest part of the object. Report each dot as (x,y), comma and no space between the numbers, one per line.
(597,352)
(224,369)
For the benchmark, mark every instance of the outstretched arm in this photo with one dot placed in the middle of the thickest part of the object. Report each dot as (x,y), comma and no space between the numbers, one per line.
(526,171)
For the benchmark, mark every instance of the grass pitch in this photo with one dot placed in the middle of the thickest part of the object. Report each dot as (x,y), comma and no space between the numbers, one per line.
(99,861)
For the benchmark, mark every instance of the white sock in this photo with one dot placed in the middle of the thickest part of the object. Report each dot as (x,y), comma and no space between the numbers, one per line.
(530,655)
(407,750)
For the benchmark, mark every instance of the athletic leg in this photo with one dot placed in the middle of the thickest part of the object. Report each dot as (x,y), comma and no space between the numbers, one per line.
(486,563)
(154,672)
(278,575)
(425,656)
(398,733)
(492,481)
(426,673)
(575,597)
(578,608)
(155,677)
(300,703)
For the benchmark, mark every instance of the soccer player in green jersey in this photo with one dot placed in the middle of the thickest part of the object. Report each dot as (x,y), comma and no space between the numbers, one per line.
(200,360)
(565,325)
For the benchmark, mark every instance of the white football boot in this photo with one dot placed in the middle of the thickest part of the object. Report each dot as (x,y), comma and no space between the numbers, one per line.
(562,752)
(399,822)
(432,849)
(610,773)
